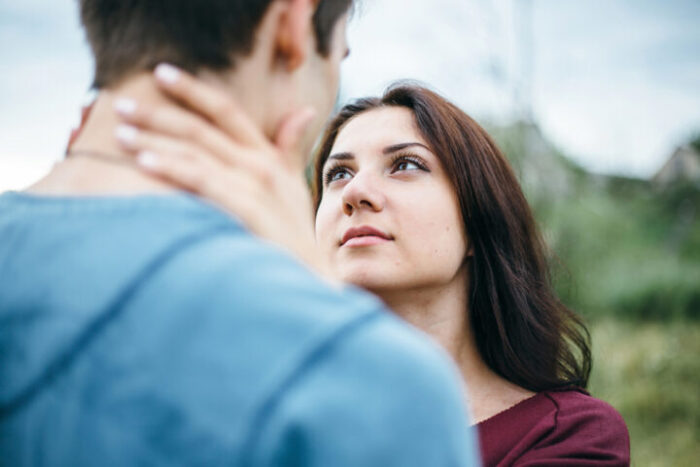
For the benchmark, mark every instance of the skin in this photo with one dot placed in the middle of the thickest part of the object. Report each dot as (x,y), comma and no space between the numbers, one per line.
(410,199)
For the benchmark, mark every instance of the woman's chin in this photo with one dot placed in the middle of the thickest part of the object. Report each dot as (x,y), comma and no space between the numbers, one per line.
(373,282)
(370,280)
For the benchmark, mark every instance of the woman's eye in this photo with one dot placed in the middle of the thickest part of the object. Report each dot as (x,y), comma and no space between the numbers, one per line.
(406,165)
(403,165)
(340,174)
(336,174)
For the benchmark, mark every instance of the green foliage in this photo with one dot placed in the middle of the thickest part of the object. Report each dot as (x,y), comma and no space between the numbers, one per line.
(622,247)
(651,374)
(695,142)
(659,300)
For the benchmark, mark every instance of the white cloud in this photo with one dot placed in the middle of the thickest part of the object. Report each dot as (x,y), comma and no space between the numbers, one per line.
(622,129)
(43,83)
(614,81)
(18,172)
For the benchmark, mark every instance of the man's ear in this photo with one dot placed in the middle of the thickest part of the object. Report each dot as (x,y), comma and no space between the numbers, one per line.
(294,29)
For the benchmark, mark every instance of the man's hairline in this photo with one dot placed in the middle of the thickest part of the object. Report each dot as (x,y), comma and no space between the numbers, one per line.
(234,56)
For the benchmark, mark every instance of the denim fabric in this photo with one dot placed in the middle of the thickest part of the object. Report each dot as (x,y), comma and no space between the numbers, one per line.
(155,330)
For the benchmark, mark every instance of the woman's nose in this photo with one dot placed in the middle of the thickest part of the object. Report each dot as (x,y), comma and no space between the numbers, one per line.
(362,192)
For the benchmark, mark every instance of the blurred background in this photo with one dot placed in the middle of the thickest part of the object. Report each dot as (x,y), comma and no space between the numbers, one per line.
(597,105)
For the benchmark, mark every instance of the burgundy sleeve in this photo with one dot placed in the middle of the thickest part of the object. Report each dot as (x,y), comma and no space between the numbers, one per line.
(586,432)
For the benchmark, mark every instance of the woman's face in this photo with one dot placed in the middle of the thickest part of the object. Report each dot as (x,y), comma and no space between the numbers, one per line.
(389,218)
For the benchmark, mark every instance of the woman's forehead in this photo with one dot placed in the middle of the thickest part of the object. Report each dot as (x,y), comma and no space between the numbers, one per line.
(376,129)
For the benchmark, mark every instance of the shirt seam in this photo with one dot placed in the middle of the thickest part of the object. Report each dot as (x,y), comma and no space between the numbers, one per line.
(47,205)
(99,324)
(312,359)
(556,411)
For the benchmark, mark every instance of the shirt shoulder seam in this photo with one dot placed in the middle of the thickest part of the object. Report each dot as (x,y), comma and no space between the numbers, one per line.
(313,357)
(65,359)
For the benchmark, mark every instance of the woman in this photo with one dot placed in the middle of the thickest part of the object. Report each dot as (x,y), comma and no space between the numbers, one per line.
(415,203)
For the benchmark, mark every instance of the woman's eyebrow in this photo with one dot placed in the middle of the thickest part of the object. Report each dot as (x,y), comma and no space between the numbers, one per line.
(338,156)
(341,156)
(346,156)
(401,146)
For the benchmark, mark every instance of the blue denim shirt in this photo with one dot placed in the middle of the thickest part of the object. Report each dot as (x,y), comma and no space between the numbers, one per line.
(155,330)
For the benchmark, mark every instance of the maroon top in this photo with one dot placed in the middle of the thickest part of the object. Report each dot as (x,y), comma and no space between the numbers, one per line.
(562,428)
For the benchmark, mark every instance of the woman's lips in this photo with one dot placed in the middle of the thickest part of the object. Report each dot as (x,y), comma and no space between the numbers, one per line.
(366,240)
(364,236)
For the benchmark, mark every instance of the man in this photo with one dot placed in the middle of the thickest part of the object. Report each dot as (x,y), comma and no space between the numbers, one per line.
(139,326)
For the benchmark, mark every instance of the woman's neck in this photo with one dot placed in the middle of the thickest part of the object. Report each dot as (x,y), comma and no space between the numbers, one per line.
(440,311)
(443,313)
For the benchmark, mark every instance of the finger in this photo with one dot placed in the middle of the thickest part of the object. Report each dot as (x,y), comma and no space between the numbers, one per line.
(188,167)
(169,120)
(179,125)
(231,191)
(210,102)
(136,141)
(290,135)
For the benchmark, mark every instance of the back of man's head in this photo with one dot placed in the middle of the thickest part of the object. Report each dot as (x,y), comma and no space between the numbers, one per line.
(132,36)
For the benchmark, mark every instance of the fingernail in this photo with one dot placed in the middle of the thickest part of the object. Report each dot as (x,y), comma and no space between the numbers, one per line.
(125,106)
(148,159)
(167,73)
(126,133)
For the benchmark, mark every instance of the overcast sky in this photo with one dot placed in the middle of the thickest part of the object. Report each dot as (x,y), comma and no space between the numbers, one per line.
(614,83)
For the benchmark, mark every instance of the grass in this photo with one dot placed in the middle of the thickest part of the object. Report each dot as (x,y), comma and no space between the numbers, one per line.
(650,372)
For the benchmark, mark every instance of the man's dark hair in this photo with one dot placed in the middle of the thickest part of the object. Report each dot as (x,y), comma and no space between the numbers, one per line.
(129,36)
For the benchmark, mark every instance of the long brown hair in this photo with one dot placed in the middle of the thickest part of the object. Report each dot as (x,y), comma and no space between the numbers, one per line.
(523,331)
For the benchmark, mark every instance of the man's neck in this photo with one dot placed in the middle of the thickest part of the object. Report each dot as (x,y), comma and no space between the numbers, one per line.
(100,166)
(96,163)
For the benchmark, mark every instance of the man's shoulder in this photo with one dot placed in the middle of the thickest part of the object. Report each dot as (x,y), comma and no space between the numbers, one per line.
(268,299)
(238,335)
(242,279)
(228,268)
(314,358)
(372,394)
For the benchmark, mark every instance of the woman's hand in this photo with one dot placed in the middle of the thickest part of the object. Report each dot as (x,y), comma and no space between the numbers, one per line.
(209,147)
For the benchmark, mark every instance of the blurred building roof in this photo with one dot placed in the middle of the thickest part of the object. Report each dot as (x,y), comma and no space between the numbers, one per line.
(683,165)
